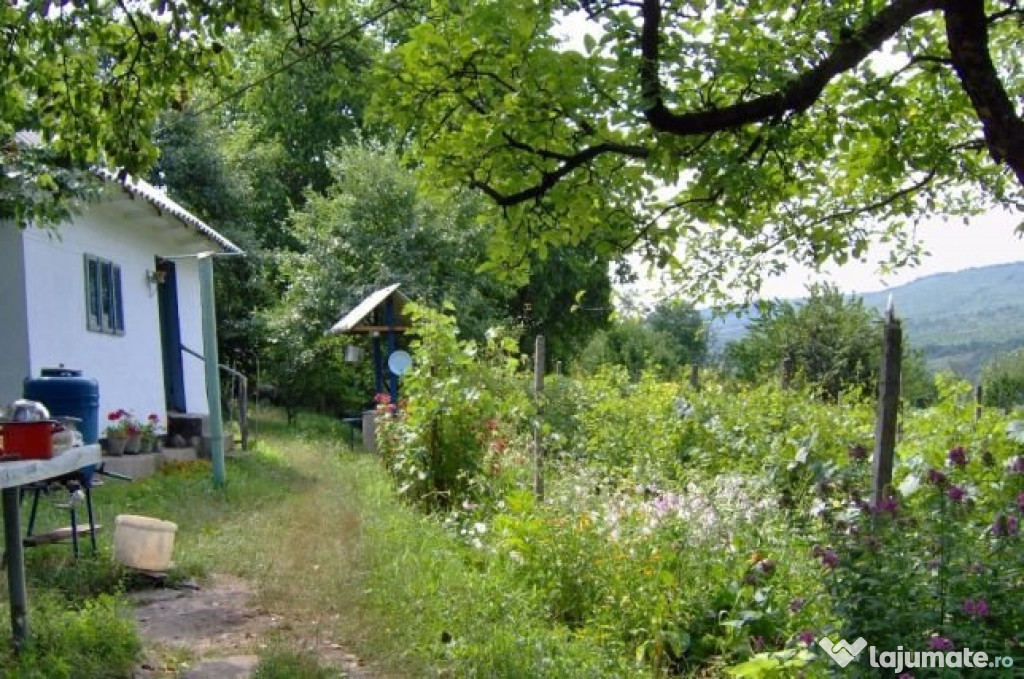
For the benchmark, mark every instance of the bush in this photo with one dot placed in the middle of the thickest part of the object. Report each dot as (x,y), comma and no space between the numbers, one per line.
(463,403)
(95,641)
(1002,381)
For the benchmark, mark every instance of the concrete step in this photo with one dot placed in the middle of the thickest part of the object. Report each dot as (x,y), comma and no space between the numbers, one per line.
(146,464)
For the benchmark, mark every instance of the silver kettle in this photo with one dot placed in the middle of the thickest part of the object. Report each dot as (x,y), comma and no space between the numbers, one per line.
(24,410)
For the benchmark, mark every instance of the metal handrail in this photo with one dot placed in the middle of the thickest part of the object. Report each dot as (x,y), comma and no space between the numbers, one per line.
(243,401)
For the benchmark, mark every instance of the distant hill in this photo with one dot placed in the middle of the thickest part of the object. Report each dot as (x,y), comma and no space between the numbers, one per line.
(959,320)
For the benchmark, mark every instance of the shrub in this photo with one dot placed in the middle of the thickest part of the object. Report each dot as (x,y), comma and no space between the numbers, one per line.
(95,641)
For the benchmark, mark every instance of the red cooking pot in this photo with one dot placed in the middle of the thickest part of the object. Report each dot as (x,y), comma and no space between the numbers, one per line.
(29,440)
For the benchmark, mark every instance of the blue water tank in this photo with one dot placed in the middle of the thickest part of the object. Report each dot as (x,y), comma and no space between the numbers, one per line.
(66,393)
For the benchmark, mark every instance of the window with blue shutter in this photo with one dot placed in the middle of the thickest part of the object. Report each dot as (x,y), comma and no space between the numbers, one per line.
(104,308)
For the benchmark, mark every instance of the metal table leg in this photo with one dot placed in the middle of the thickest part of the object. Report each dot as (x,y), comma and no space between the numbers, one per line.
(15,566)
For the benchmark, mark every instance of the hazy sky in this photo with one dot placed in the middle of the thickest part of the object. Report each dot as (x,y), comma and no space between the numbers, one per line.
(952,246)
(988,239)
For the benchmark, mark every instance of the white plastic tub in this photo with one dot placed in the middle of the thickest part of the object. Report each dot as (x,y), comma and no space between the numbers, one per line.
(143,543)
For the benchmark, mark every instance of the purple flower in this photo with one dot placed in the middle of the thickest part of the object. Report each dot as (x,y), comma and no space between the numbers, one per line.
(858,453)
(905,675)
(938,643)
(757,643)
(976,609)
(958,457)
(1017,465)
(888,504)
(1012,525)
(830,559)
(806,637)
(1020,502)
(956,493)
(935,477)
(797,604)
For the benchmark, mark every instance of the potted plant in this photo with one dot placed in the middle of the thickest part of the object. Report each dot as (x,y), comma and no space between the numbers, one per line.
(133,446)
(119,422)
(152,430)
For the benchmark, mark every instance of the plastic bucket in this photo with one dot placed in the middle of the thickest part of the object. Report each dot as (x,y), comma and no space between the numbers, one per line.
(143,543)
(29,440)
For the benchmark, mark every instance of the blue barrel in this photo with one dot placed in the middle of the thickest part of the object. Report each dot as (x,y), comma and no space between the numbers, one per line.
(66,393)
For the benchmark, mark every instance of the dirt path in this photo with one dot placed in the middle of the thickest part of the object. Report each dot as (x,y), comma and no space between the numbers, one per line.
(215,631)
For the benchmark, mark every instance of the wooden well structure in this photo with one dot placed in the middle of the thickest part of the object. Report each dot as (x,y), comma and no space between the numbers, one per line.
(381,316)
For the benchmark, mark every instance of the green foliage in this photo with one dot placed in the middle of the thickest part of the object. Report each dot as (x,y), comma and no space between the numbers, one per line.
(567,299)
(803,145)
(724,530)
(1002,381)
(671,337)
(683,323)
(450,434)
(92,78)
(374,227)
(830,342)
(96,639)
(633,345)
(283,663)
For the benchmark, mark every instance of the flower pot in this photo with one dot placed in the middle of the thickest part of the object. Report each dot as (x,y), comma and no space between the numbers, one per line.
(132,444)
(115,445)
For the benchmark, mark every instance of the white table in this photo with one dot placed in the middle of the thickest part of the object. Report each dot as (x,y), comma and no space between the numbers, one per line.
(14,475)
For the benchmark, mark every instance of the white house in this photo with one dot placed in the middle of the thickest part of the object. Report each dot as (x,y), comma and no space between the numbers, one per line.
(114,293)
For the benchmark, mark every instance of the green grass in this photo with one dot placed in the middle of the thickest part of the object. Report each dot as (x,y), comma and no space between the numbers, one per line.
(317,530)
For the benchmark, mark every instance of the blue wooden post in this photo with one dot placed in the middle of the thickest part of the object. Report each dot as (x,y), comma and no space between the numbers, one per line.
(389,321)
(378,373)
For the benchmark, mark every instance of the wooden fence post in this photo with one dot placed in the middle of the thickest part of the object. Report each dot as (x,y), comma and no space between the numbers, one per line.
(538,388)
(977,403)
(786,372)
(243,412)
(888,406)
(695,376)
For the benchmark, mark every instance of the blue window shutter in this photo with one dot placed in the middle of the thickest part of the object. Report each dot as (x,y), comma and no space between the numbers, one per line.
(92,294)
(118,310)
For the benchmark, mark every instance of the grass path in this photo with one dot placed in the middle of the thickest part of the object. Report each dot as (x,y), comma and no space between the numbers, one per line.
(334,560)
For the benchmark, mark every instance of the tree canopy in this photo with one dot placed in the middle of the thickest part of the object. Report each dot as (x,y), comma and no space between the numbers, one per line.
(767,129)
(829,342)
(92,78)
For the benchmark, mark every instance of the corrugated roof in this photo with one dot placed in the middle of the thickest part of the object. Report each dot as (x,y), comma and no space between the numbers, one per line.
(142,189)
(364,309)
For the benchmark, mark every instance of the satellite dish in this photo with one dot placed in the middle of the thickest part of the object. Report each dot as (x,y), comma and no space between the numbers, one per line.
(399,362)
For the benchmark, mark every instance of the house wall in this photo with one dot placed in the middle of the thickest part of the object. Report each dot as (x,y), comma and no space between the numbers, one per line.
(13,328)
(128,367)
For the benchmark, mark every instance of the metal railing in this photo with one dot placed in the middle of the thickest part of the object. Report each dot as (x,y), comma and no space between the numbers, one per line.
(242,394)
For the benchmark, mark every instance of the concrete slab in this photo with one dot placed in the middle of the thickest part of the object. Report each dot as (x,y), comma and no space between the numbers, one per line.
(233,667)
(147,464)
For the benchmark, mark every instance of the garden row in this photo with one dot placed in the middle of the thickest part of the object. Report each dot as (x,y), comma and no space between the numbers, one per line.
(725,529)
